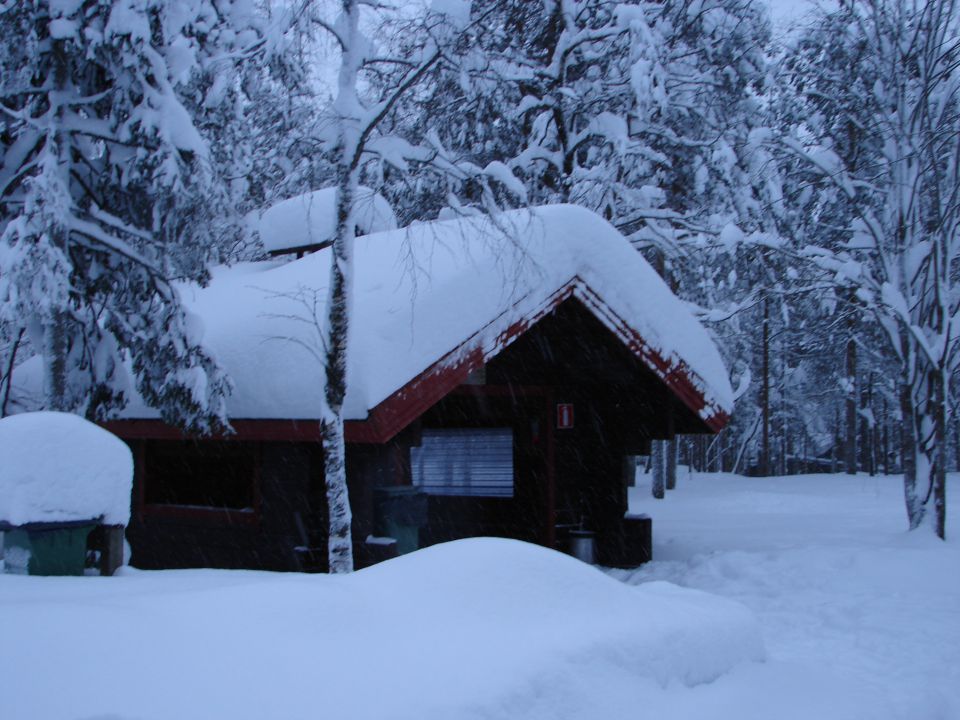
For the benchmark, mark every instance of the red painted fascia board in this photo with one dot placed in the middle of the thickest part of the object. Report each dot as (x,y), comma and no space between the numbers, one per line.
(264,430)
(429,387)
(677,375)
(433,384)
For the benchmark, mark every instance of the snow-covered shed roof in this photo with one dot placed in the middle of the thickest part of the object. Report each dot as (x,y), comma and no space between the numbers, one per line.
(442,296)
(309,220)
(56,467)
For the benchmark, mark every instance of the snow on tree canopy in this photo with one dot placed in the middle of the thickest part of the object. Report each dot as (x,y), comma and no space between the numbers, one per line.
(311,219)
(59,467)
(436,293)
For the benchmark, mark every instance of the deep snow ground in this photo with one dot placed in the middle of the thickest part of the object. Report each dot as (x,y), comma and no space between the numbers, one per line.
(477,629)
(836,582)
(860,620)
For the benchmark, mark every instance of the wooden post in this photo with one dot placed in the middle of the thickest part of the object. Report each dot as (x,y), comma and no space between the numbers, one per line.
(659,469)
(111,554)
(671,464)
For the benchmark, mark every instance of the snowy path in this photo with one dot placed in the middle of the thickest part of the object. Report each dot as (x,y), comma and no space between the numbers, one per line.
(838,586)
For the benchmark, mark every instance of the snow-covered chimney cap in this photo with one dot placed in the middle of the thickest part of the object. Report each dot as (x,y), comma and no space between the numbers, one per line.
(307,222)
(59,467)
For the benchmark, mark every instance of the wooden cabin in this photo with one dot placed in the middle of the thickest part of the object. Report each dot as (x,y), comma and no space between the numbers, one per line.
(501,372)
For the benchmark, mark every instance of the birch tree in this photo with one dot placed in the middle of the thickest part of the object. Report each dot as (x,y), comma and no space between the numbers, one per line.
(881,145)
(355,139)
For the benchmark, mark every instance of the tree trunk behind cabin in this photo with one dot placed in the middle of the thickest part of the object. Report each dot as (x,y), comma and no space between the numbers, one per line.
(886,441)
(56,342)
(658,460)
(850,446)
(764,464)
(938,473)
(7,380)
(671,464)
(909,448)
(956,444)
(835,449)
(55,347)
(867,420)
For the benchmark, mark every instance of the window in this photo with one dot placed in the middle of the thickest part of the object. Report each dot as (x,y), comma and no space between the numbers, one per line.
(201,475)
(466,461)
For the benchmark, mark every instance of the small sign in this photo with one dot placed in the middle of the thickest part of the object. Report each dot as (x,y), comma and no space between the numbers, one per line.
(564,416)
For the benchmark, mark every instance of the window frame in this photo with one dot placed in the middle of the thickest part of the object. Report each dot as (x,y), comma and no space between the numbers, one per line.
(200,514)
(461,431)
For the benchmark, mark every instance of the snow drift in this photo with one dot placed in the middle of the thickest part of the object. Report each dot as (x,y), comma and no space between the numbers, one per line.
(476,628)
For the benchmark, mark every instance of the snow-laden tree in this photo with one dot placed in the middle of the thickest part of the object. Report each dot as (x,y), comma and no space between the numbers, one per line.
(535,104)
(647,113)
(879,141)
(109,193)
(371,81)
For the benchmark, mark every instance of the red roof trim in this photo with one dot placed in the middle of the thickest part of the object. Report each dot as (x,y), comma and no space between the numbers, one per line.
(437,381)
(429,387)
(265,430)
(409,402)
(677,375)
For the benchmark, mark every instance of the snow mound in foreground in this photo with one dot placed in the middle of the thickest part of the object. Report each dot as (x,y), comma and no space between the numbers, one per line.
(481,628)
(59,467)
(558,607)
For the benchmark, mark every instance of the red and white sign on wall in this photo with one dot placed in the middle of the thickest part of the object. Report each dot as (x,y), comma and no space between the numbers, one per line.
(564,416)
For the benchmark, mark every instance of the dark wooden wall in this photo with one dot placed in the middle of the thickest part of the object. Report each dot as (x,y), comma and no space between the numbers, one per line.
(619,405)
(289,503)
(563,477)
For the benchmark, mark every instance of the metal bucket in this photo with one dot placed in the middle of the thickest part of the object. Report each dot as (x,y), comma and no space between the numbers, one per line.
(583,545)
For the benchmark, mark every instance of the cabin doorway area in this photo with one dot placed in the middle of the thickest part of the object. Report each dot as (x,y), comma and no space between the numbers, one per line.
(485,462)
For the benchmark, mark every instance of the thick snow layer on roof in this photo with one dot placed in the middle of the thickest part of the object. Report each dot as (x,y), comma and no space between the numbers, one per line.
(425,291)
(472,630)
(311,219)
(57,467)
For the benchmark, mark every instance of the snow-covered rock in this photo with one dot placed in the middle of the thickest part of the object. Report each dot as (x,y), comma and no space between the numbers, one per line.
(58,467)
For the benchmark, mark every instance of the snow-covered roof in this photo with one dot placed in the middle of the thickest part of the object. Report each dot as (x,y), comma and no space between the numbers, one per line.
(56,467)
(438,293)
(311,219)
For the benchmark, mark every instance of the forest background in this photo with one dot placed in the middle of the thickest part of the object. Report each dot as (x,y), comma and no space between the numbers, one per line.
(799,188)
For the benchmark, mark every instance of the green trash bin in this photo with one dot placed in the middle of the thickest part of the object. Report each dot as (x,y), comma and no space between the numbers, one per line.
(400,513)
(52,548)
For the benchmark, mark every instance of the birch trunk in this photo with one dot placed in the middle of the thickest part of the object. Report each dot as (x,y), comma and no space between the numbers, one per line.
(340,542)
(340,515)
(909,448)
